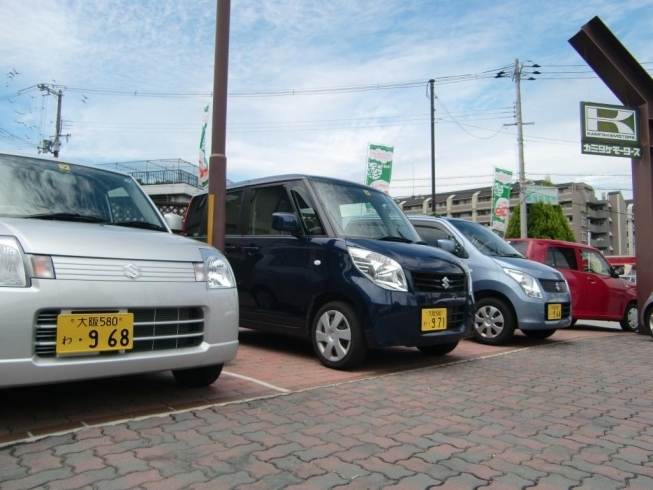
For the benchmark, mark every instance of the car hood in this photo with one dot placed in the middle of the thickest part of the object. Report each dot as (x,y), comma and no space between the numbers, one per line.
(46,237)
(413,256)
(535,269)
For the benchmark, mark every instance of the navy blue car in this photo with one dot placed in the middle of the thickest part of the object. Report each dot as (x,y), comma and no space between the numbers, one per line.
(340,264)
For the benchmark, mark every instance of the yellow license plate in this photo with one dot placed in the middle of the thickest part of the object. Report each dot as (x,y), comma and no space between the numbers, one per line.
(554,312)
(434,319)
(94,332)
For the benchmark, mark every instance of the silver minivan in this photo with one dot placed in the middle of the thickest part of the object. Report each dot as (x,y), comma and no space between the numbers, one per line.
(94,284)
(511,292)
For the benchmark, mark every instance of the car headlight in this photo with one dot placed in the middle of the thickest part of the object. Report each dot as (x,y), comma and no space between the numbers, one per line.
(12,267)
(215,270)
(527,283)
(381,270)
(16,267)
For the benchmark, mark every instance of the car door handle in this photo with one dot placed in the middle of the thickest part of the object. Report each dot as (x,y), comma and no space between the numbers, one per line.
(230,248)
(250,250)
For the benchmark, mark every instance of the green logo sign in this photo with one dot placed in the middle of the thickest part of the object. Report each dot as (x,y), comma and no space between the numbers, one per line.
(610,130)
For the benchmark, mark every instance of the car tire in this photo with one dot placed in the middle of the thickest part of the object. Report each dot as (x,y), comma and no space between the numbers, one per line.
(494,322)
(437,350)
(648,318)
(539,334)
(198,377)
(337,336)
(629,322)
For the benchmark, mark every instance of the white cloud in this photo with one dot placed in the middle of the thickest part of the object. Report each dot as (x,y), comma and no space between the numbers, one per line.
(167,47)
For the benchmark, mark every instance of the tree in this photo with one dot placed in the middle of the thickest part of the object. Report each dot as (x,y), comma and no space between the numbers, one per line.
(544,221)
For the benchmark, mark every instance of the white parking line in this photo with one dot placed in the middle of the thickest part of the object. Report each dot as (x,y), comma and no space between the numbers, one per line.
(257,381)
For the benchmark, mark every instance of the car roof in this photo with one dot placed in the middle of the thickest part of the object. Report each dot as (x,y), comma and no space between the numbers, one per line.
(287,177)
(428,217)
(550,241)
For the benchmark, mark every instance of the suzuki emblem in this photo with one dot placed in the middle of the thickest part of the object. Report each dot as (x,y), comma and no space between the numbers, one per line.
(445,283)
(132,271)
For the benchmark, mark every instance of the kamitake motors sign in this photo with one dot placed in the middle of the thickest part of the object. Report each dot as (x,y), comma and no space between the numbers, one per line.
(610,130)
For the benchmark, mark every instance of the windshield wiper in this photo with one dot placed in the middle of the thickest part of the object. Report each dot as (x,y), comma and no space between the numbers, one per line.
(499,253)
(390,238)
(139,224)
(68,217)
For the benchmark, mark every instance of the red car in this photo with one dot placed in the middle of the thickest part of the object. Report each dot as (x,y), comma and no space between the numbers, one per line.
(597,290)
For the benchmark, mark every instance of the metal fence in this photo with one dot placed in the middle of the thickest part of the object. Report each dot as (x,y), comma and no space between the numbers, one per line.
(166,171)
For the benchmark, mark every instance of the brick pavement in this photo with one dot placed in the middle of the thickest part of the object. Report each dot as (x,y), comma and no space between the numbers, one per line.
(574,414)
(288,365)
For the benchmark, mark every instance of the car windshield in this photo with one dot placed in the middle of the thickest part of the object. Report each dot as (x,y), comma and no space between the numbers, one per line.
(363,212)
(485,240)
(48,190)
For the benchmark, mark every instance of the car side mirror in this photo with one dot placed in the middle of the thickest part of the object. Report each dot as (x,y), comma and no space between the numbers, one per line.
(174,222)
(447,245)
(619,270)
(285,222)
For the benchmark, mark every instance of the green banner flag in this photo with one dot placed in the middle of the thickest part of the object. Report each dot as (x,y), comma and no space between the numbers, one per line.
(203,163)
(379,167)
(501,200)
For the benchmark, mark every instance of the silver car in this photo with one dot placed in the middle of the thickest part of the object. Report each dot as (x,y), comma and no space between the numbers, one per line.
(93,284)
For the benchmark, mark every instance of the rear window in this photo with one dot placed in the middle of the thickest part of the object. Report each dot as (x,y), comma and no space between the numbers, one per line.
(521,247)
(196,219)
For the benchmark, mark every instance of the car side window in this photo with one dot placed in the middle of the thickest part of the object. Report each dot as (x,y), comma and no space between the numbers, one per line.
(307,214)
(431,235)
(593,262)
(265,201)
(234,203)
(562,258)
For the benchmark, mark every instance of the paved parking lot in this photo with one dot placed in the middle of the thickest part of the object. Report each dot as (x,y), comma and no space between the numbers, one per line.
(571,411)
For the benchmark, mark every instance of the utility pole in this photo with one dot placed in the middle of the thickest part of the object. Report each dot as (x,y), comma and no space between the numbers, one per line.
(218,158)
(53,146)
(431,84)
(523,222)
(516,76)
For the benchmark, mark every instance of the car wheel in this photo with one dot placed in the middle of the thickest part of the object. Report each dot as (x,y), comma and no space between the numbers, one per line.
(197,377)
(437,350)
(539,334)
(629,322)
(337,336)
(494,323)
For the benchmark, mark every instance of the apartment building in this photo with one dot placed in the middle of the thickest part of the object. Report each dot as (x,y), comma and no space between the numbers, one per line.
(605,223)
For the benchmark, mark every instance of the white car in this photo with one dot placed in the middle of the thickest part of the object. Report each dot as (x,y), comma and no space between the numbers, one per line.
(94,284)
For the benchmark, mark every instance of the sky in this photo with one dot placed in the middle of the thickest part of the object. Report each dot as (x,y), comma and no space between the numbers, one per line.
(312,83)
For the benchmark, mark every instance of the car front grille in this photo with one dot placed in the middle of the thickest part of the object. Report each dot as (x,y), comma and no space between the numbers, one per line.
(455,316)
(440,283)
(155,329)
(551,286)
